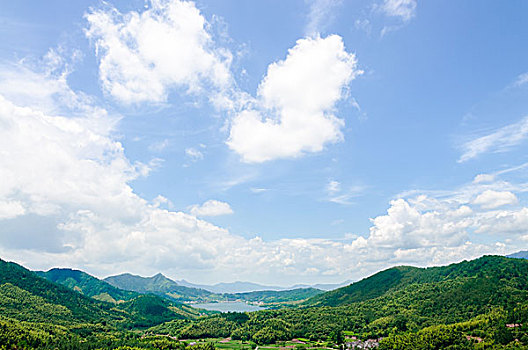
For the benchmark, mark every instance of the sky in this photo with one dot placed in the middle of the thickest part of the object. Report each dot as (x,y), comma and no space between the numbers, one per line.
(278,142)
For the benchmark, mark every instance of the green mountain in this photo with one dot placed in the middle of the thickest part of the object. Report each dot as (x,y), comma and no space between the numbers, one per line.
(36,313)
(95,288)
(503,271)
(167,288)
(478,304)
(87,285)
(394,301)
(272,297)
(25,296)
(162,286)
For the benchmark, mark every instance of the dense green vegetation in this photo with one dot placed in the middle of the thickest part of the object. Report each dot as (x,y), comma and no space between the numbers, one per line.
(397,300)
(270,297)
(496,268)
(479,304)
(489,331)
(26,335)
(162,286)
(38,313)
(167,288)
(27,297)
(93,287)
(87,285)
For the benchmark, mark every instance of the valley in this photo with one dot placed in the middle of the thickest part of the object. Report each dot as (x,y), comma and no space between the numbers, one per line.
(475,304)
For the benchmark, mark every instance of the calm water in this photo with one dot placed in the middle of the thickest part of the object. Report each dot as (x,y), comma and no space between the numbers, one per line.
(237,306)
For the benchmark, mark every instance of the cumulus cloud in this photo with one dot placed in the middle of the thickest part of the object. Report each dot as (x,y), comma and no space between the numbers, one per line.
(97,223)
(11,209)
(294,111)
(410,226)
(490,199)
(211,208)
(65,176)
(143,55)
(50,161)
(500,140)
(89,217)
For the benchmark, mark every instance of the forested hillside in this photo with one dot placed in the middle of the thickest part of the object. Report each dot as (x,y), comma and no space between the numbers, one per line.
(167,288)
(162,286)
(271,297)
(87,285)
(480,271)
(27,297)
(397,300)
(38,313)
(470,305)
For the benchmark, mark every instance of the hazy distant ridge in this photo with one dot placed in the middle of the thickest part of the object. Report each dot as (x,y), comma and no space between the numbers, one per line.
(523,254)
(245,287)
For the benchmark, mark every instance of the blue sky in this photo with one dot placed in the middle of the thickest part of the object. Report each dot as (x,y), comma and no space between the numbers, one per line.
(277,142)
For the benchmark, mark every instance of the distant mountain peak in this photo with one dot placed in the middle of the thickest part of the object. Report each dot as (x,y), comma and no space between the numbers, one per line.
(523,254)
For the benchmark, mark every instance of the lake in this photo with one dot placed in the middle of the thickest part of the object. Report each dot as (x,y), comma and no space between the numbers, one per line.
(228,306)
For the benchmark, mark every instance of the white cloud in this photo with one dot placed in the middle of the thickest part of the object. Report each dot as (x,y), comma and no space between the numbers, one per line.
(61,163)
(333,187)
(481,178)
(160,200)
(490,199)
(143,55)
(363,24)
(336,194)
(294,113)
(404,9)
(509,223)
(521,80)
(48,162)
(159,146)
(500,140)
(320,15)
(11,209)
(258,190)
(211,208)
(408,226)
(194,154)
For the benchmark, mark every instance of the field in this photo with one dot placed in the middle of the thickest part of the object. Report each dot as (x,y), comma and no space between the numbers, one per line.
(227,343)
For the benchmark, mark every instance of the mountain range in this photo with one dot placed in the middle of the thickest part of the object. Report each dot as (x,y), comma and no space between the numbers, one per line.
(457,306)
(523,254)
(244,287)
(65,308)
(162,286)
